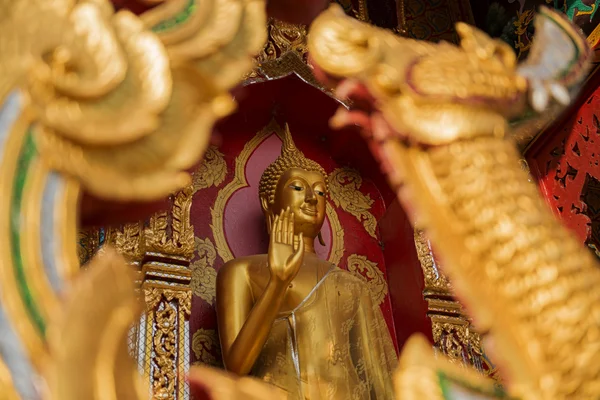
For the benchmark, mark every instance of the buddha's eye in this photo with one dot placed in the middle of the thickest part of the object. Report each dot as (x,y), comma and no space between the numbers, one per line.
(322,194)
(297,188)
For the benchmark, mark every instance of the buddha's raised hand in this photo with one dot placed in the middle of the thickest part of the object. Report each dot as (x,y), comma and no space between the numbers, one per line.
(284,260)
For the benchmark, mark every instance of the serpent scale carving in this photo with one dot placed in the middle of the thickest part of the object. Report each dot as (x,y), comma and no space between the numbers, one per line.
(439,131)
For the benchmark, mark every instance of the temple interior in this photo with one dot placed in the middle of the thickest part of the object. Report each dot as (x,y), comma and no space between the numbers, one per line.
(220,216)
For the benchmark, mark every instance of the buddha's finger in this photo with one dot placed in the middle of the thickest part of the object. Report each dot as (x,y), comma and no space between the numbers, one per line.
(278,228)
(296,258)
(284,226)
(274,229)
(291,229)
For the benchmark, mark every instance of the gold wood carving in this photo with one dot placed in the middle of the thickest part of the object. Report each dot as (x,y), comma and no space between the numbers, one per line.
(206,347)
(211,172)
(87,244)
(239,181)
(368,270)
(453,334)
(435,280)
(283,37)
(344,184)
(284,53)
(180,242)
(167,310)
(128,241)
(204,276)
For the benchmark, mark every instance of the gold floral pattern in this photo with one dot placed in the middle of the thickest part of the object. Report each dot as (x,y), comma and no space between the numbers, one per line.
(368,270)
(211,172)
(344,185)
(205,345)
(204,276)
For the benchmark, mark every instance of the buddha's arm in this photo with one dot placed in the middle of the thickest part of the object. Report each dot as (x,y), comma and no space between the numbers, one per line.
(244,326)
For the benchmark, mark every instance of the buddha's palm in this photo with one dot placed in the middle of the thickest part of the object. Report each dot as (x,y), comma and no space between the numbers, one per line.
(284,260)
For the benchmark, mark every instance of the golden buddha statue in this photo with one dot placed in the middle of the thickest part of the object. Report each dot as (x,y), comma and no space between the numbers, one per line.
(292,319)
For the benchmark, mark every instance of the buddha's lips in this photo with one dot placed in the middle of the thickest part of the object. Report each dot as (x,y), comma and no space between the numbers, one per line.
(309,211)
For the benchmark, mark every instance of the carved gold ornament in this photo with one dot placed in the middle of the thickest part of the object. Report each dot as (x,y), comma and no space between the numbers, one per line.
(180,241)
(367,270)
(282,38)
(344,185)
(435,280)
(204,276)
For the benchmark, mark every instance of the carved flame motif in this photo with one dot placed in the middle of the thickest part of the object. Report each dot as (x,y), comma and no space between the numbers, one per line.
(344,185)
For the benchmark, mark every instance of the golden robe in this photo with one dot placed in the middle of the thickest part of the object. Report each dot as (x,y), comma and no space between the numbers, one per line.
(334,345)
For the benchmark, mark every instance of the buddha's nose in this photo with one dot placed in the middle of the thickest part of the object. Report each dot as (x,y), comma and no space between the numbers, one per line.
(310,198)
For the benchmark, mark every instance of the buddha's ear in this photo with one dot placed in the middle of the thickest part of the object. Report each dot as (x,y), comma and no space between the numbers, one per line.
(264,204)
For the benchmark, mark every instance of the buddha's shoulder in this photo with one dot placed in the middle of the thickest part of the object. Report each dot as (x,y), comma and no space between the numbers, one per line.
(248,265)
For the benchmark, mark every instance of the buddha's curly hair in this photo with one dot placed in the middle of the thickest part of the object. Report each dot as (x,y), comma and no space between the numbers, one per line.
(290,157)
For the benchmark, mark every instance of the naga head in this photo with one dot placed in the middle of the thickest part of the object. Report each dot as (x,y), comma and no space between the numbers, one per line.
(434,94)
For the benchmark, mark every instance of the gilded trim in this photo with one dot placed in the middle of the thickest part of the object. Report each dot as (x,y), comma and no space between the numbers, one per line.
(7,387)
(10,298)
(66,227)
(31,245)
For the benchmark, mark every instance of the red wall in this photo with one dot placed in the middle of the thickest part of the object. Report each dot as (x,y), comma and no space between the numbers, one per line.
(565,162)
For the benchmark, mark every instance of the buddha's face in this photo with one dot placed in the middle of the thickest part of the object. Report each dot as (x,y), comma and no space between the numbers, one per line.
(304,193)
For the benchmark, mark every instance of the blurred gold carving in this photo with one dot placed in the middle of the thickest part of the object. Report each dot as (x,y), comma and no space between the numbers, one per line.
(7,387)
(441,115)
(96,316)
(344,184)
(422,374)
(369,271)
(211,172)
(435,280)
(283,37)
(206,347)
(127,241)
(172,233)
(87,70)
(87,244)
(204,276)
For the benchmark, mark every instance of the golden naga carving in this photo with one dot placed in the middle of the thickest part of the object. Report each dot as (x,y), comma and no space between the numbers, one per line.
(87,72)
(442,115)
(122,107)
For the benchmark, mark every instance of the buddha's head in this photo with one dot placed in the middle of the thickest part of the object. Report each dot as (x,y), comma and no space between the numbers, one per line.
(294,181)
